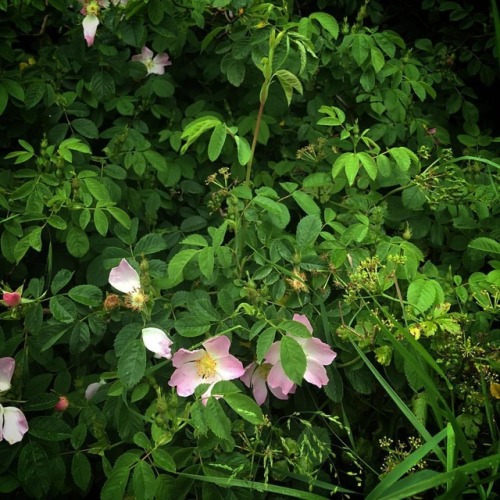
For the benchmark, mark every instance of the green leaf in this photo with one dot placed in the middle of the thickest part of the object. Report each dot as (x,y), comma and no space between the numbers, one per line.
(80,338)
(217,140)
(81,471)
(243,149)
(57,222)
(327,22)
(120,216)
(484,244)
(62,309)
(77,242)
(377,58)
(280,216)
(196,128)
(264,342)
(235,72)
(49,428)
(206,259)
(295,328)
(293,359)
(114,487)
(176,266)
(34,94)
(149,244)
(245,407)
(34,470)
(306,203)
(143,481)
(102,84)
(192,326)
(78,435)
(85,127)
(308,230)
(101,221)
(164,460)
(289,82)
(421,294)
(97,189)
(217,420)
(132,363)
(369,165)
(88,295)
(4,99)
(403,157)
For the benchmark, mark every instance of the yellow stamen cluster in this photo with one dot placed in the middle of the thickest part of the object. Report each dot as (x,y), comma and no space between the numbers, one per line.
(206,366)
(136,300)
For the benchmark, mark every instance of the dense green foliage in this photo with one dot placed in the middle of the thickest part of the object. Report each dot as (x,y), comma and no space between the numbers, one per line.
(333,159)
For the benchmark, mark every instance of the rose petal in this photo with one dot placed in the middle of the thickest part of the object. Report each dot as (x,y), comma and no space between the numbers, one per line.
(156,340)
(278,378)
(186,379)
(13,424)
(124,277)
(301,318)
(90,24)
(7,366)
(316,374)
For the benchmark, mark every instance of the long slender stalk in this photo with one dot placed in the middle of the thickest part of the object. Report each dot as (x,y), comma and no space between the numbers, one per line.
(254,141)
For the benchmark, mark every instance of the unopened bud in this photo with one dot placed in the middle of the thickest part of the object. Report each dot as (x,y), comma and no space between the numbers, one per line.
(62,404)
(11,299)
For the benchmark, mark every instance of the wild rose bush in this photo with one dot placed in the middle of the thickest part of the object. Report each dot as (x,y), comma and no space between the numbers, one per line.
(248,249)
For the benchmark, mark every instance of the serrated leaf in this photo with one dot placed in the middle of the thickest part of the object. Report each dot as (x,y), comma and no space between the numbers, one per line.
(264,342)
(192,326)
(177,264)
(60,280)
(97,189)
(81,471)
(289,82)
(85,127)
(101,221)
(49,428)
(243,149)
(132,363)
(150,243)
(369,165)
(77,242)
(62,309)
(80,338)
(34,94)
(164,460)
(88,295)
(115,485)
(196,128)
(306,203)
(308,230)
(485,245)
(293,359)
(206,259)
(143,481)
(4,99)
(217,420)
(217,140)
(245,407)
(327,22)
(421,294)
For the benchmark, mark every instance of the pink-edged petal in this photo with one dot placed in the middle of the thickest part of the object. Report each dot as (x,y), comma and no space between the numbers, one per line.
(217,347)
(229,368)
(7,366)
(92,389)
(13,424)
(159,63)
(124,277)
(278,393)
(259,390)
(316,374)
(246,378)
(156,340)
(278,378)
(319,351)
(186,379)
(273,355)
(145,56)
(90,24)
(183,356)
(302,318)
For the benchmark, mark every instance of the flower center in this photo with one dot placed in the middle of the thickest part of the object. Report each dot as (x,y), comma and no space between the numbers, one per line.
(206,366)
(136,300)
(263,370)
(92,9)
(149,64)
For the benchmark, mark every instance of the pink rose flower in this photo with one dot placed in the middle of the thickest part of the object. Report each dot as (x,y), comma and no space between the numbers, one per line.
(13,423)
(154,65)
(318,355)
(255,378)
(209,365)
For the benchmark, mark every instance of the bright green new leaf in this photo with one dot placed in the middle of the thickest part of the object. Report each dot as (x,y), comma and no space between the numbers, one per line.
(217,140)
